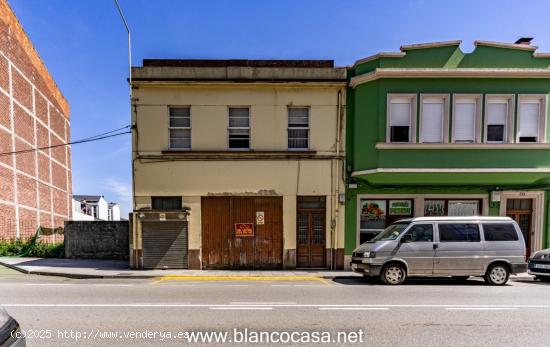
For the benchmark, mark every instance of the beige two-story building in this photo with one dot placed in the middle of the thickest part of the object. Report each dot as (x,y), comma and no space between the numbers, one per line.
(238,164)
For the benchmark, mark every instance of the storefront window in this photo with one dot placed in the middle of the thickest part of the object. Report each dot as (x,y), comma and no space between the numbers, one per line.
(376,215)
(451,208)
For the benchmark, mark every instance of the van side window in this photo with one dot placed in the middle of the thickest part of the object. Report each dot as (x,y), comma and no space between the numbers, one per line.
(500,232)
(459,232)
(421,233)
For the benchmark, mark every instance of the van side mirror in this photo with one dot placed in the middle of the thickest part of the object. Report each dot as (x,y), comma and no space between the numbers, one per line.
(406,238)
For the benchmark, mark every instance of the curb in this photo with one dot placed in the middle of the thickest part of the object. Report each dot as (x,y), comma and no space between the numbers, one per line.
(206,275)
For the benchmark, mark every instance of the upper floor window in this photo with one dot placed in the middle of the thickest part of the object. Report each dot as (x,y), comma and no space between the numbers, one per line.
(166,203)
(239,128)
(465,119)
(298,127)
(180,127)
(531,119)
(497,119)
(433,118)
(401,118)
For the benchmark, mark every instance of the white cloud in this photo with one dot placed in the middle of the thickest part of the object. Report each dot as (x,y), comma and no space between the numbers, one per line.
(121,190)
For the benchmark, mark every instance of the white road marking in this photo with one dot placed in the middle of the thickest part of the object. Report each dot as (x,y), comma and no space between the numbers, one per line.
(354,308)
(481,308)
(420,306)
(111,285)
(262,303)
(240,308)
(235,285)
(280,285)
(48,284)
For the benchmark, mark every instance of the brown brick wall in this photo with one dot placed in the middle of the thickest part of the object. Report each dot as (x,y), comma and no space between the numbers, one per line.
(32,110)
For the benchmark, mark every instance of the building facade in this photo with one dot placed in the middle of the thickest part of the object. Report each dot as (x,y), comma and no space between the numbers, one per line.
(238,164)
(434,131)
(35,186)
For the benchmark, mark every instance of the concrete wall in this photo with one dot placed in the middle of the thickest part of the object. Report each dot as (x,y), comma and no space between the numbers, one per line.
(96,240)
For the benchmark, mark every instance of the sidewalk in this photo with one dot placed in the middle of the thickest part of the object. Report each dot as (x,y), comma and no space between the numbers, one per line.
(95,268)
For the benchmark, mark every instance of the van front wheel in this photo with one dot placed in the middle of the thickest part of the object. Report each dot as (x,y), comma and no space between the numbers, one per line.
(497,275)
(393,273)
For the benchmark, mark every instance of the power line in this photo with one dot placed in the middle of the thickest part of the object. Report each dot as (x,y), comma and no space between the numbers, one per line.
(97,137)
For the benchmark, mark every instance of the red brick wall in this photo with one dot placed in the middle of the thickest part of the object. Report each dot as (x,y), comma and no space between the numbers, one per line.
(36,187)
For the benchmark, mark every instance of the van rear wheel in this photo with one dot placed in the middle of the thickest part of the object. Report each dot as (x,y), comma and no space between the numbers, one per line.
(497,274)
(393,274)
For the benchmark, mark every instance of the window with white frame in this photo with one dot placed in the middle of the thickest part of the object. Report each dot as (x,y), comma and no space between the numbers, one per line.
(496,120)
(432,120)
(239,128)
(465,119)
(180,127)
(298,127)
(531,119)
(401,113)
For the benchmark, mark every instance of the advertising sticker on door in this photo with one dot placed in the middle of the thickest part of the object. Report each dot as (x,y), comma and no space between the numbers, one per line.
(244,229)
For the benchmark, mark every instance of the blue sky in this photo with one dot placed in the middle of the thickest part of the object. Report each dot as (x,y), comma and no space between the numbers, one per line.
(83,44)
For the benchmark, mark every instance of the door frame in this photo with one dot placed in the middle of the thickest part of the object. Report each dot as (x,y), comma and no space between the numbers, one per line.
(537,220)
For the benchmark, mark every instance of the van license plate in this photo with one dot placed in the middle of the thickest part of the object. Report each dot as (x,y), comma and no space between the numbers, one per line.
(541,266)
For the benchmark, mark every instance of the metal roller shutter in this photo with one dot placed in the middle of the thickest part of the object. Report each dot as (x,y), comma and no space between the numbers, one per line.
(165,245)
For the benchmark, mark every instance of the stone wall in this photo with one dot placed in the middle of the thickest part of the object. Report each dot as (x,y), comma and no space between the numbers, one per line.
(96,240)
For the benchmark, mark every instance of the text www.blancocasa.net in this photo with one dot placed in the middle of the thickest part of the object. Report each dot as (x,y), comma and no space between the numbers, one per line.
(214,337)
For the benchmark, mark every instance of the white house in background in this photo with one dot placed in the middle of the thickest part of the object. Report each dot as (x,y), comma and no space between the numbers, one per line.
(91,207)
(114,211)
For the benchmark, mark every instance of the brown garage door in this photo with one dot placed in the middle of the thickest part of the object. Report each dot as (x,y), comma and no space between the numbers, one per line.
(164,245)
(223,249)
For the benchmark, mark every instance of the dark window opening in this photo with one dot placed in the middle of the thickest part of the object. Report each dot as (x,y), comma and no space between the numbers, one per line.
(399,134)
(495,133)
(165,203)
(527,139)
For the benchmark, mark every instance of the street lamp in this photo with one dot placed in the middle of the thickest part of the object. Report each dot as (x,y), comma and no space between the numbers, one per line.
(129,46)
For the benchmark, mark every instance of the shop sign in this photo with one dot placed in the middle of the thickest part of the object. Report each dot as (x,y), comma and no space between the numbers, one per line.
(400,207)
(244,229)
(373,214)
(260,218)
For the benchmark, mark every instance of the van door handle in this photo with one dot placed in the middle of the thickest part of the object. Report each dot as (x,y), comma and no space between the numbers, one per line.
(436,246)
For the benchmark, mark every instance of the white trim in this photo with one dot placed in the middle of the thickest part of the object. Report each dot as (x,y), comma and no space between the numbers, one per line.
(13,148)
(505,45)
(454,170)
(413,116)
(430,45)
(477,131)
(543,100)
(448,73)
(526,145)
(378,56)
(537,217)
(444,122)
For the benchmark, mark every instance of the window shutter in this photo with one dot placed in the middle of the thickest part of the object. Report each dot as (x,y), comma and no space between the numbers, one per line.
(432,120)
(465,119)
(529,119)
(401,113)
(497,113)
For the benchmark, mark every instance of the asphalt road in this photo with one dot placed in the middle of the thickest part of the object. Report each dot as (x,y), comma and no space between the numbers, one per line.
(67,312)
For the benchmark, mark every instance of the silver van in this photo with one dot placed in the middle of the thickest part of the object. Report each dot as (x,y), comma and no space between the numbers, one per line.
(491,247)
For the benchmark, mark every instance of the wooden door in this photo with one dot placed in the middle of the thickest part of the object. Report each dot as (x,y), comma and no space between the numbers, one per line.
(222,248)
(521,211)
(310,234)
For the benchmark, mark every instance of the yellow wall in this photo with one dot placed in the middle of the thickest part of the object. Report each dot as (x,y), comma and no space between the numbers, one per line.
(192,179)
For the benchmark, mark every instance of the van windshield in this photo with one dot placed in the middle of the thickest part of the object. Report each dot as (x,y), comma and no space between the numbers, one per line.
(391,232)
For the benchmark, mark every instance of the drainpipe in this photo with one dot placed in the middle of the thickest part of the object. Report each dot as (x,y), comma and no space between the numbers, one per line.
(334,235)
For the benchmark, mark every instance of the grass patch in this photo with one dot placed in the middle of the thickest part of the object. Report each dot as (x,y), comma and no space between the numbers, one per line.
(31,248)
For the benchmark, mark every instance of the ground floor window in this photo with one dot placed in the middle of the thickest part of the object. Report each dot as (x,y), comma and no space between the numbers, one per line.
(447,207)
(377,214)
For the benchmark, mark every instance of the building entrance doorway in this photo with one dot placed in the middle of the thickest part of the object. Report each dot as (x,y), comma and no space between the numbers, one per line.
(311,232)
(521,210)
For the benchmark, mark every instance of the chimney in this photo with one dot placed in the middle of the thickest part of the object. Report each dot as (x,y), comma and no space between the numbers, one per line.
(524,41)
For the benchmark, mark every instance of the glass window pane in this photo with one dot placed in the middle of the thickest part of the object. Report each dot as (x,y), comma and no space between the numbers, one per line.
(298,117)
(459,232)
(180,112)
(463,208)
(434,208)
(500,232)
(399,134)
(298,138)
(180,122)
(373,214)
(239,117)
(421,233)
(495,133)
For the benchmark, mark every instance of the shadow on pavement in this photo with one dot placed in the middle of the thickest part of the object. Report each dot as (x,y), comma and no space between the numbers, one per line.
(357,281)
(99,264)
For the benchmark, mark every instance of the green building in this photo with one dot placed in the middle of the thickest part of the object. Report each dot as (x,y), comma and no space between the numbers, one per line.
(435,131)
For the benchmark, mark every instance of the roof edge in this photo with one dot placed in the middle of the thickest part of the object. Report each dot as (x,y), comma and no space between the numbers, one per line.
(505,45)
(430,45)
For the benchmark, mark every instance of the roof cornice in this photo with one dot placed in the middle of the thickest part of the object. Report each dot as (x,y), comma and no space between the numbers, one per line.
(448,73)
(505,45)
(430,45)
(379,55)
